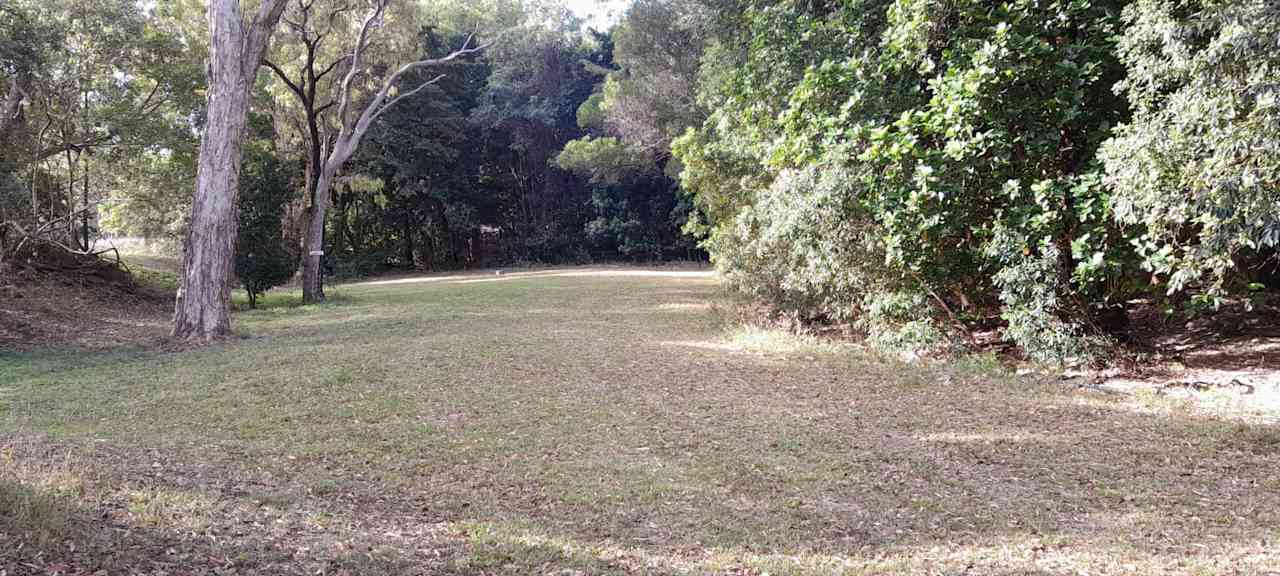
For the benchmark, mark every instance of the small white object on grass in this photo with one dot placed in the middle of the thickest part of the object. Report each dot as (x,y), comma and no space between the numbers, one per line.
(497,272)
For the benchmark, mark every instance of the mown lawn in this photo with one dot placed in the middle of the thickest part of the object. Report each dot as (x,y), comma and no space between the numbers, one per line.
(601,420)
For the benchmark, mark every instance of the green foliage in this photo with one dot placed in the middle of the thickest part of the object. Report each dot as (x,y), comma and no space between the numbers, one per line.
(155,199)
(263,258)
(1197,171)
(1034,309)
(804,245)
(590,114)
(650,100)
(944,124)
(902,322)
(110,98)
(602,160)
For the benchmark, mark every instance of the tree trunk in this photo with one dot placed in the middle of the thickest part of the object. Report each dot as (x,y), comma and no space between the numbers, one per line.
(313,245)
(13,103)
(202,311)
(71,237)
(203,308)
(339,245)
(406,247)
(84,215)
(349,135)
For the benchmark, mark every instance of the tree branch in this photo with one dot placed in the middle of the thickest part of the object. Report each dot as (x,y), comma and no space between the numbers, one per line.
(344,96)
(9,110)
(376,106)
(258,36)
(284,78)
(332,66)
(408,94)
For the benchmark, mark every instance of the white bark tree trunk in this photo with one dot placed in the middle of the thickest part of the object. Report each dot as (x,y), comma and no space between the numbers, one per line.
(12,102)
(313,243)
(352,130)
(203,308)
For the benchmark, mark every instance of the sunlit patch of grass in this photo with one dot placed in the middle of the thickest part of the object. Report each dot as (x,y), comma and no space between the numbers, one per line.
(157,280)
(57,475)
(39,500)
(288,301)
(775,341)
(169,508)
(504,549)
(757,340)
(684,306)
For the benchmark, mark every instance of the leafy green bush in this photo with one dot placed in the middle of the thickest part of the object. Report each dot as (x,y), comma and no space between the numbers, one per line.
(805,245)
(902,321)
(1197,170)
(1037,318)
(861,158)
(263,259)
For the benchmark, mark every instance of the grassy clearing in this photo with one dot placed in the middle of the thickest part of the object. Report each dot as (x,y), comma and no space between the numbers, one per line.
(603,421)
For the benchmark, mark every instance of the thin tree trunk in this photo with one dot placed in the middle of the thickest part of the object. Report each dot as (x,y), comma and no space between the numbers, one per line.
(313,245)
(407,247)
(84,214)
(203,308)
(13,103)
(71,238)
(35,165)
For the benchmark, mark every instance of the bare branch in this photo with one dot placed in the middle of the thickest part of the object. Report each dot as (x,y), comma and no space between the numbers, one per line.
(147,101)
(284,78)
(344,95)
(332,66)
(295,26)
(258,35)
(408,94)
(376,106)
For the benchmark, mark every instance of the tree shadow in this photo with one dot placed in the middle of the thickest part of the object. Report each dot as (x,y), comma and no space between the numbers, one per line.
(43,532)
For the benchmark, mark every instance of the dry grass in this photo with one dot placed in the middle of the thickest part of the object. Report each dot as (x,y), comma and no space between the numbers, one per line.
(574,422)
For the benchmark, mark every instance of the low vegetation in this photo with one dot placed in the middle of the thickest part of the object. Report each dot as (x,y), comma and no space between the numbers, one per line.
(598,421)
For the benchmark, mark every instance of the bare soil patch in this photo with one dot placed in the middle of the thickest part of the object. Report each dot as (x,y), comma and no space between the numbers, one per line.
(52,298)
(1226,361)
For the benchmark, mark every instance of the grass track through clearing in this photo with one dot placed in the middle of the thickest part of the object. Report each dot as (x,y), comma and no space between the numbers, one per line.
(599,420)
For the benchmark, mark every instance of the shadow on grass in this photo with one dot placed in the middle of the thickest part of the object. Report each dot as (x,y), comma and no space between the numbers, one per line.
(286,301)
(584,445)
(43,532)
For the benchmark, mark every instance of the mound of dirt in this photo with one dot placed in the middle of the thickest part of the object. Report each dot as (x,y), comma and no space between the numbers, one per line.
(52,297)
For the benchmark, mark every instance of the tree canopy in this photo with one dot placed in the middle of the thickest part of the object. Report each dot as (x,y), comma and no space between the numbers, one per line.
(917,168)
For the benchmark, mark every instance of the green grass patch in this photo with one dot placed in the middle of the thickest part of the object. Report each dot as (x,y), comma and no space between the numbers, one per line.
(586,423)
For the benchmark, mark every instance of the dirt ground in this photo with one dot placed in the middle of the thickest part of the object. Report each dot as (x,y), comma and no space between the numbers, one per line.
(1227,363)
(96,306)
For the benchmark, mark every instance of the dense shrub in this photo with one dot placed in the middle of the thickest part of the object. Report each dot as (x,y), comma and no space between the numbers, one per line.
(862,161)
(263,258)
(1196,173)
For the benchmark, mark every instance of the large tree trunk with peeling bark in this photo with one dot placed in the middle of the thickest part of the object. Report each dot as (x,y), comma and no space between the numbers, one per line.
(203,308)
